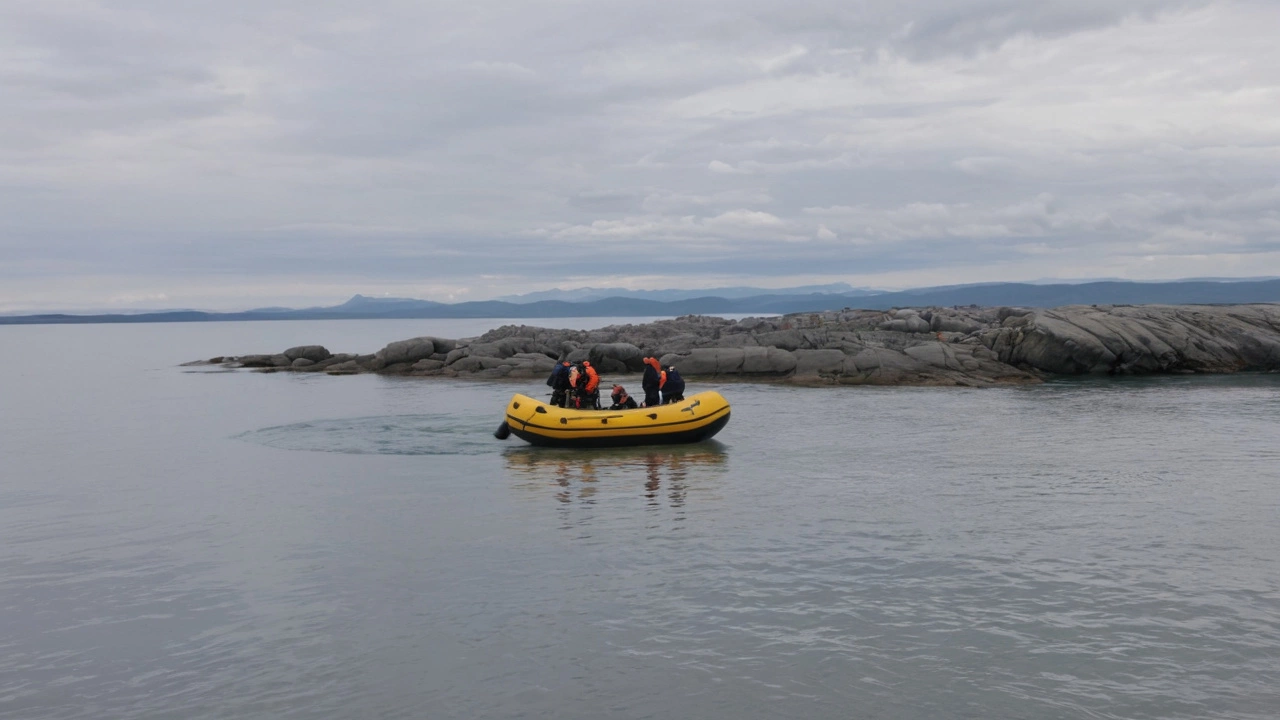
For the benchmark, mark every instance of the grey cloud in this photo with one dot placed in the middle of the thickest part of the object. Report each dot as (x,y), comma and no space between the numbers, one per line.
(397,140)
(969,27)
(606,202)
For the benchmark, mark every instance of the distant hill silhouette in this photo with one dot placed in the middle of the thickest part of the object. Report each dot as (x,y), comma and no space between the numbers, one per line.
(993,294)
(1093,293)
(588,294)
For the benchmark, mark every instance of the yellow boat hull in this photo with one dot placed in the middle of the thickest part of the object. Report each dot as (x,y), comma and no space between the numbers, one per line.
(694,419)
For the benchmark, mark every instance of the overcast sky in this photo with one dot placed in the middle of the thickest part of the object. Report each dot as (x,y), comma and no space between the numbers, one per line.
(228,154)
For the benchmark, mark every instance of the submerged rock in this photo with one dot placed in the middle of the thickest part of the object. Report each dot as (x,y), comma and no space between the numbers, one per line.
(970,346)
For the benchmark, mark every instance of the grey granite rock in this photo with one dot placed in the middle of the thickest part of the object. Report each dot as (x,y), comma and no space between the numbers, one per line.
(255,361)
(706,361)
(405,351)
(921,346)
(616,357)
(767,361)
(314,353)
(818,363)
(782,339)
(348,367)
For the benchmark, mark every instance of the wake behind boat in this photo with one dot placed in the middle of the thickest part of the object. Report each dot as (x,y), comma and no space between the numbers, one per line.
(691,420)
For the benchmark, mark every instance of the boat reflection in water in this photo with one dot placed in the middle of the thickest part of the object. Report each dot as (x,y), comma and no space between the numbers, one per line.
(581,475)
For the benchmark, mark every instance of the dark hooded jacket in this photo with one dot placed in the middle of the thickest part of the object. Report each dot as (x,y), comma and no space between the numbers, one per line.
(674,387)
(653,376)
(559,378)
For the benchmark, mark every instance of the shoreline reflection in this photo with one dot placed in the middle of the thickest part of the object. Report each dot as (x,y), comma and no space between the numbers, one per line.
(662,472)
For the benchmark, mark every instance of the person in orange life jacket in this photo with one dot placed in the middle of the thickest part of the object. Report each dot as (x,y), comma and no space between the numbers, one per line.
(593,384)
(575,379)
(586,383)
(652,381)
(621,400)
(559,382)
(673,388)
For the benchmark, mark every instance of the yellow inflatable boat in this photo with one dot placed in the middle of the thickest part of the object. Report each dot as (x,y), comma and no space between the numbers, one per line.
(691,420)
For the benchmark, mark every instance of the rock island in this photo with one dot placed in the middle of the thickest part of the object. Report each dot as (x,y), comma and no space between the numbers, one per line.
(967,346)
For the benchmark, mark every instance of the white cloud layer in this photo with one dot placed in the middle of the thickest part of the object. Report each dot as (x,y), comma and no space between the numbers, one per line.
(232,153)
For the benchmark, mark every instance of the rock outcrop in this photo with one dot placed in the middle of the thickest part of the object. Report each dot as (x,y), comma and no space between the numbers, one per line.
(970,346)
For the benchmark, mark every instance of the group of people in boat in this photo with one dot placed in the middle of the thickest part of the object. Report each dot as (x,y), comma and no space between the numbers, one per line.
(577,385)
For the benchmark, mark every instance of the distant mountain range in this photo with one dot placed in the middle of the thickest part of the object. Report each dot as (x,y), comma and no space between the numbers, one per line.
(714,302)
(729,293)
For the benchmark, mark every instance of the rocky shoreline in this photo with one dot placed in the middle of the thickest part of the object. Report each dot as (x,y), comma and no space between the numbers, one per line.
(966,346)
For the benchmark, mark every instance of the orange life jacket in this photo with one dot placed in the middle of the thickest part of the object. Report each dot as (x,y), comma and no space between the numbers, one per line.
(593,379)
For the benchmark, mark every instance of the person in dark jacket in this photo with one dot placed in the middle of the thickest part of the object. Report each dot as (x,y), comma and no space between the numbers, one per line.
(621,400)
(673,389)
(559,383)
(652,382)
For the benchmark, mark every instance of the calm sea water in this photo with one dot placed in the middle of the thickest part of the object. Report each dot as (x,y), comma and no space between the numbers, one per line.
(195,544)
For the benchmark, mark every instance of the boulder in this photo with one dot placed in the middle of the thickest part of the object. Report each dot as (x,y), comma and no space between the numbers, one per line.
(476,363)
(535,359)
(406,351)
(755,324)
(906,324)
(767,361)
(350,367)
(737,340)
(934,354)
(813,363)
(506,347)
(682,342)
(256,361)
(325,364)
(314,353)
(1055,345)
(782,339)
(616,357)
(706,361)
(883,366)
(1007,312)
(953,323)
(609,365)
(1077,340)
(301,363)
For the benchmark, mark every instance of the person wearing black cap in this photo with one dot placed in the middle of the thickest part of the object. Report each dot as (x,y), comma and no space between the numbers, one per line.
(559,383)
(673,388)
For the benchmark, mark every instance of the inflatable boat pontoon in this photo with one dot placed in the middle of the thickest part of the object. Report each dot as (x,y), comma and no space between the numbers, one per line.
(694,419)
